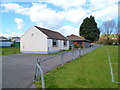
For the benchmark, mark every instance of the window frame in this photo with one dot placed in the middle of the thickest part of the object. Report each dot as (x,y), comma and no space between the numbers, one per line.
(65,43)
(54,43)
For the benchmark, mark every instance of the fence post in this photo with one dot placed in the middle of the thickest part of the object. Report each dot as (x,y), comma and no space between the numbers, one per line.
(62,61)
(73,55)
(41,72)
(39,62)
(42,76)
(79,51)
(36,72)
(84,51)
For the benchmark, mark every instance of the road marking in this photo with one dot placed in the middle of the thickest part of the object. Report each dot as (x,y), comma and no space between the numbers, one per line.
(110,65)
(112,75)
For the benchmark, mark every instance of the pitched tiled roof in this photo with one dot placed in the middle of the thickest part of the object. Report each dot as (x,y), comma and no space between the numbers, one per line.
(75,38)
(15,37)
(51,34)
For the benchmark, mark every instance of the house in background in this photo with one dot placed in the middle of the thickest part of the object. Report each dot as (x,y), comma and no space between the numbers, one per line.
(3,38)
(4,42)
(16,39)
(42,41)
(78,41)
(16,42)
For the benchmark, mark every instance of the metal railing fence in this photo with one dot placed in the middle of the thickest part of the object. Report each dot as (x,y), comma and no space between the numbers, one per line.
(47,64)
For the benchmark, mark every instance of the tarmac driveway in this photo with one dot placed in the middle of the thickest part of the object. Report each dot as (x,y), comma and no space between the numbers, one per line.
(18,70)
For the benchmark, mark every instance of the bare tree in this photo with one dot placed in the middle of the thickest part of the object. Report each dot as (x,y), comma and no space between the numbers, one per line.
(107,29)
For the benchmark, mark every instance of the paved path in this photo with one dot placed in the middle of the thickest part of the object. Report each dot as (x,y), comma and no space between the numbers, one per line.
(18,69)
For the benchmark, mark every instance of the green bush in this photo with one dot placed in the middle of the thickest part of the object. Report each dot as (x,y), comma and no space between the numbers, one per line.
(75,46)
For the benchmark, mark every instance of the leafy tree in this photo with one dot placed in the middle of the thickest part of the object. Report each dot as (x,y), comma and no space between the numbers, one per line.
(89,29)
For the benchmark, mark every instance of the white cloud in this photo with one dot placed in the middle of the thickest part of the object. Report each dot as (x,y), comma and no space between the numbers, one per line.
(20,23)
(14,7)
(75,15)
(68,30)
(67,3)
(101,4)
(45,16)
(73,10)
(107,13)
(38,13)
(11,34)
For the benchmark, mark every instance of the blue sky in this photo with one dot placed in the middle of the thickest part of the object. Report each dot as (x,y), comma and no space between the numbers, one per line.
(64,16)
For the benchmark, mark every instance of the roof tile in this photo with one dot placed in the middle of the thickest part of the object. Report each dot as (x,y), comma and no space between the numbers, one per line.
(51,34)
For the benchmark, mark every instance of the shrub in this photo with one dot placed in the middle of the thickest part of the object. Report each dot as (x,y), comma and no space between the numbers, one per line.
(75,46)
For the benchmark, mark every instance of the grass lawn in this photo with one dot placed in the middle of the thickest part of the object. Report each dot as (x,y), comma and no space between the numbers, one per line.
(89,71)
(9,50)
(113,51)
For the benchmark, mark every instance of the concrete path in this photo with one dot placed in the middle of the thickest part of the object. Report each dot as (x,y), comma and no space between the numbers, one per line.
(18,70)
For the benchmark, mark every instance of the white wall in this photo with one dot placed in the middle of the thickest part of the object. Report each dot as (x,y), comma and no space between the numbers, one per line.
(33,41)
(60,46)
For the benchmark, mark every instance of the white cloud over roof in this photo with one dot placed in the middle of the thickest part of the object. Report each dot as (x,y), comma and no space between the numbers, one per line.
(20,23)
(74,11)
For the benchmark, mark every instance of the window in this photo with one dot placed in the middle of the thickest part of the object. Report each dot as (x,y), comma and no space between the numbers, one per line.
(65,43)
(54,43)
(32,34)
